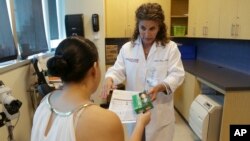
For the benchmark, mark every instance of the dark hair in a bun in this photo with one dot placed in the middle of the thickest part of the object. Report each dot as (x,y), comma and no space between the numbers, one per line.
(74,56)
(57,65)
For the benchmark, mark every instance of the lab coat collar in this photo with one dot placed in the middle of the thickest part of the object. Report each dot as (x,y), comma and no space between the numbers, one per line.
(138,42)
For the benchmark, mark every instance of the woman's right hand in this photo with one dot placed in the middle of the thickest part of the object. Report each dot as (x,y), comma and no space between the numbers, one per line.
(107,87)
(144,118)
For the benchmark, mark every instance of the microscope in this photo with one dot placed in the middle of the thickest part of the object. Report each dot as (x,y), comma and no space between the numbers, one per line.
(10,109)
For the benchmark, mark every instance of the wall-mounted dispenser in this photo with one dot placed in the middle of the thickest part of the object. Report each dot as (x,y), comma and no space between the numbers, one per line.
(95,22)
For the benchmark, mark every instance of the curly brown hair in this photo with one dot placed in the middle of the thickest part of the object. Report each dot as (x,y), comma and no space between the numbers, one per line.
(154,12)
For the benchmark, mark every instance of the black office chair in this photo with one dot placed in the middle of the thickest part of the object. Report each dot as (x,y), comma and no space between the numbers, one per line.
(43,87)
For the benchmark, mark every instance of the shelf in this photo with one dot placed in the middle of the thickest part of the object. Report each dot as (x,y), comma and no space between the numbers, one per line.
(179,7)
(185,36)
(179,16)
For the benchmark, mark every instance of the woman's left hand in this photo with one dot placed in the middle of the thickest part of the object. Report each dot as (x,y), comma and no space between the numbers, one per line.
(155,90)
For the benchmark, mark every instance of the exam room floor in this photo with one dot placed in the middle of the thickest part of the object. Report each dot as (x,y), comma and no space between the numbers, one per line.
(182,131)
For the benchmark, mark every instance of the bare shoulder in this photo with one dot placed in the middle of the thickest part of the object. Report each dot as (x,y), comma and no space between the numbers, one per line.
(99,124)
(103,116)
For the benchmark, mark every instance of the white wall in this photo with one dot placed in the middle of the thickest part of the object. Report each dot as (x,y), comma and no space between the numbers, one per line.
(19,80)
(87,8)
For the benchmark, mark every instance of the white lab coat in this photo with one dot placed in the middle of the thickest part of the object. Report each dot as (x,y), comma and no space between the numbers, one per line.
(162,64)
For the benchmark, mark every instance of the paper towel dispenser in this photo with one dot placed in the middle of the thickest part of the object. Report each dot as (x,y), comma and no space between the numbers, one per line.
(205,116)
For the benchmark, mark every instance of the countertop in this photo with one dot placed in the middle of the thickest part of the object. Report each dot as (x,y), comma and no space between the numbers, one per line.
(223,78)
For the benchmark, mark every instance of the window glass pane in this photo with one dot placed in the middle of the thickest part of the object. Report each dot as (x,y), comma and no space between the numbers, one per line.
(8,50)
(53,23)
(54,11)
(30,27)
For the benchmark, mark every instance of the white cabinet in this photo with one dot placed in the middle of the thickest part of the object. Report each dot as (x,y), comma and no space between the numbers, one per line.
(235,20)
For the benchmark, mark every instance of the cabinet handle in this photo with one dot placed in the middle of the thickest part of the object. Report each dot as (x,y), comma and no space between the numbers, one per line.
(193,31)
(206,30)
(232,29)
(203,30)
(237,29)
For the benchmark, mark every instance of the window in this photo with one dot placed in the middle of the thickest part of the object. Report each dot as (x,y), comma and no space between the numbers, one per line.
(37,27)
(30,27)
(8,49)
(54,21)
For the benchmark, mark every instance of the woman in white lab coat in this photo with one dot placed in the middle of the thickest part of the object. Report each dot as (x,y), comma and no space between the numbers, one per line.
(153,63)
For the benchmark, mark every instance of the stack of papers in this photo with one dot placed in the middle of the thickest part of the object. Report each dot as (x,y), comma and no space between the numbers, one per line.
(121,104)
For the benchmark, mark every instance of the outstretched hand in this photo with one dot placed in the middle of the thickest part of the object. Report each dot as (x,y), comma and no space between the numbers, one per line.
(144,118)
(107,87)
(155,90)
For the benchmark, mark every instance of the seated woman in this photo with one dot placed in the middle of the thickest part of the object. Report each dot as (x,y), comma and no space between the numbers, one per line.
(69,114)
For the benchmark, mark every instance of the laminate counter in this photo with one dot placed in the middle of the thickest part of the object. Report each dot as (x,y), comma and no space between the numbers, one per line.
(223,78)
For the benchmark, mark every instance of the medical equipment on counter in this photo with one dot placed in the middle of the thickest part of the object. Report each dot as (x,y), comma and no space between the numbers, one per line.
(11,108)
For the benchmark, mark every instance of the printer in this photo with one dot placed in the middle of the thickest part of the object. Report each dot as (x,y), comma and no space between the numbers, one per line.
(205,116)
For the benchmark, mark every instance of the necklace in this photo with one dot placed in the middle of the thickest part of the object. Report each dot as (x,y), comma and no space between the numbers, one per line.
(57,112)
(68,113)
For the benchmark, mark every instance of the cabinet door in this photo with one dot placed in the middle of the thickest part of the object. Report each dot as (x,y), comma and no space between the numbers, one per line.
(228,18)
(213,18)
(201,17)
(243,20)
(207,18)
(185,94)
(192,13)
(132,6)
(116,18)
(165,4)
